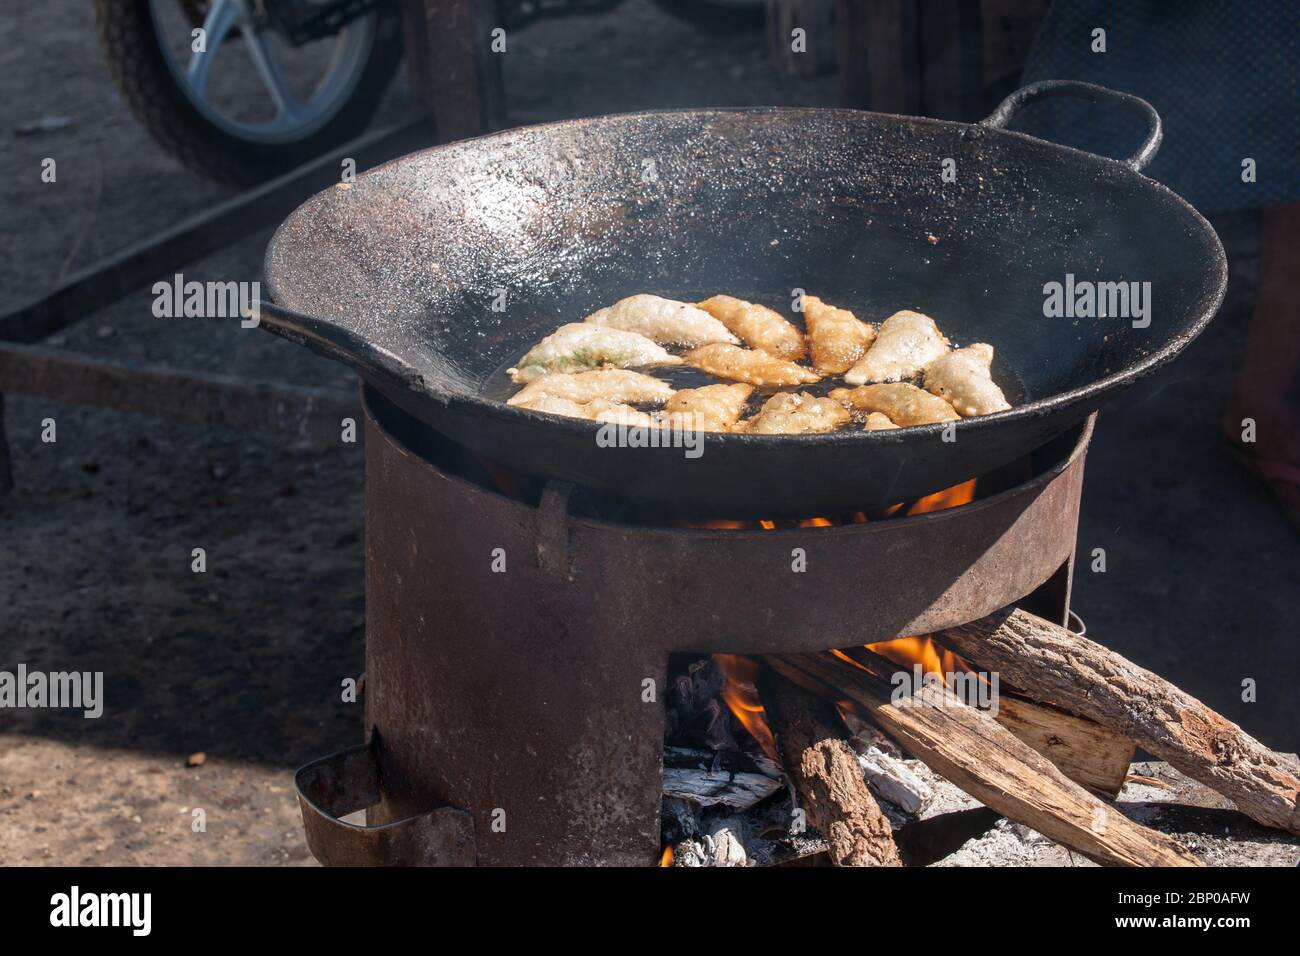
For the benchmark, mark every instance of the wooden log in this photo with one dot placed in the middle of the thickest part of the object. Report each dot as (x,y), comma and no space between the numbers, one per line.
(1051,664)
(1085,751)
(709,779)
(971,749)
(890,778)
(825,771)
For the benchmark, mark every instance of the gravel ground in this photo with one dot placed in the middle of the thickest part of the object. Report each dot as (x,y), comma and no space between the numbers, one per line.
(244,662)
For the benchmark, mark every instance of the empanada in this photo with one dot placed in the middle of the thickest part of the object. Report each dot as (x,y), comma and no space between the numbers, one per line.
(579,346)
(906,343)
(964,378)
(711,408)
(901,403)
(837,339)
(788,413)
(666,321)
(746,365)
(758,326)
(612,384)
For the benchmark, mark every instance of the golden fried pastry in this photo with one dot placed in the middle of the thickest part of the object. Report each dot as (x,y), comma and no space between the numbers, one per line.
(758,326)
(901,403)
(964,378)
(578,346)
(837,339)
(877,422)
(666,321)
(598,410)
(711,408)
(787,413)
(905,344)
(612,384)
(745,365)
(602,410)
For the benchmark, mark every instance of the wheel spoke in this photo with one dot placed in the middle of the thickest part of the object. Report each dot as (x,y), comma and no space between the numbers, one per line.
(267,61)
(222,16)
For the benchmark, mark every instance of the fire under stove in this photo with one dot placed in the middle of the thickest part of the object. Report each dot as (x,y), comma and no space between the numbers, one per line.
(518,635)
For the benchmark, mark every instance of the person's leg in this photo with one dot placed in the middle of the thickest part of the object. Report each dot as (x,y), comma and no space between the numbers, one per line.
(1268,388)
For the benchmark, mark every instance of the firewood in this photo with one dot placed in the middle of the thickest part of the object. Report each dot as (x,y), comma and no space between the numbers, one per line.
(735,780)
(1051,664)
(890,779)
(971,749)
(1087,752)
(825,772)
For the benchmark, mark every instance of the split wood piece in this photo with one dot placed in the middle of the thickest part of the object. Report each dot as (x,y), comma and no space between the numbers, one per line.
(825,771)
(972,750)
(888,774)
(1051,664)
(1086,752)
(734,780)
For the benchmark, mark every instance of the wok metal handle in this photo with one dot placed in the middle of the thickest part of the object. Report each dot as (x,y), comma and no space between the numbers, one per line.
(343,345)
(1048,89)
(348,781)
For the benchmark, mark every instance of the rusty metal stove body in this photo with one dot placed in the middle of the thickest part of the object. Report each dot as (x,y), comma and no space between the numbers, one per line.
(517,650)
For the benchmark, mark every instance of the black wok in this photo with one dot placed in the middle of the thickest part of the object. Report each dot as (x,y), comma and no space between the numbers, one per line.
(433,272)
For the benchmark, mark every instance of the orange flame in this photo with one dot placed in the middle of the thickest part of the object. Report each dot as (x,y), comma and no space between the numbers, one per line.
(667,858)
(942,500)
(961,494)
(741,697)
(920,650)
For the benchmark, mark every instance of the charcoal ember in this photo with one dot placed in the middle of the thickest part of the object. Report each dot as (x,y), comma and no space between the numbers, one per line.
(679,820)
(696,715)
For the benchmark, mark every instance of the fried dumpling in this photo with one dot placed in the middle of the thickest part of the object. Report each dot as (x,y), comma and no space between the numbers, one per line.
(598,410)
(906,343)
(711,408)
(579,346)
(666,321)
(837,338)
(788,413)
(746,365)
(877,422)
(612,384)
(901,403)
(602,410)
(964,378)
(758,326)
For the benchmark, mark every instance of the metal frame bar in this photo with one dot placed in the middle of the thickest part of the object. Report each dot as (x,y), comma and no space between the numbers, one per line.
(195,397)
(184,396)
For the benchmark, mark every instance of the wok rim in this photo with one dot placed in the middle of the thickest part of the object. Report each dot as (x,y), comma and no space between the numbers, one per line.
(335,341)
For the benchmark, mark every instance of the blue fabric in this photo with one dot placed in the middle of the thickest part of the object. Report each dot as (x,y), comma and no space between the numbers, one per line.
(1222,75)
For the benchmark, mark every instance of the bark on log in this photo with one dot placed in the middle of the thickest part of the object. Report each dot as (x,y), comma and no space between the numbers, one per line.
(1053,665)
(825,771)
(987,761)
(1086,752)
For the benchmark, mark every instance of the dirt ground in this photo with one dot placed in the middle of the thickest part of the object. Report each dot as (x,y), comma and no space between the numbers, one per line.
(244,662)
